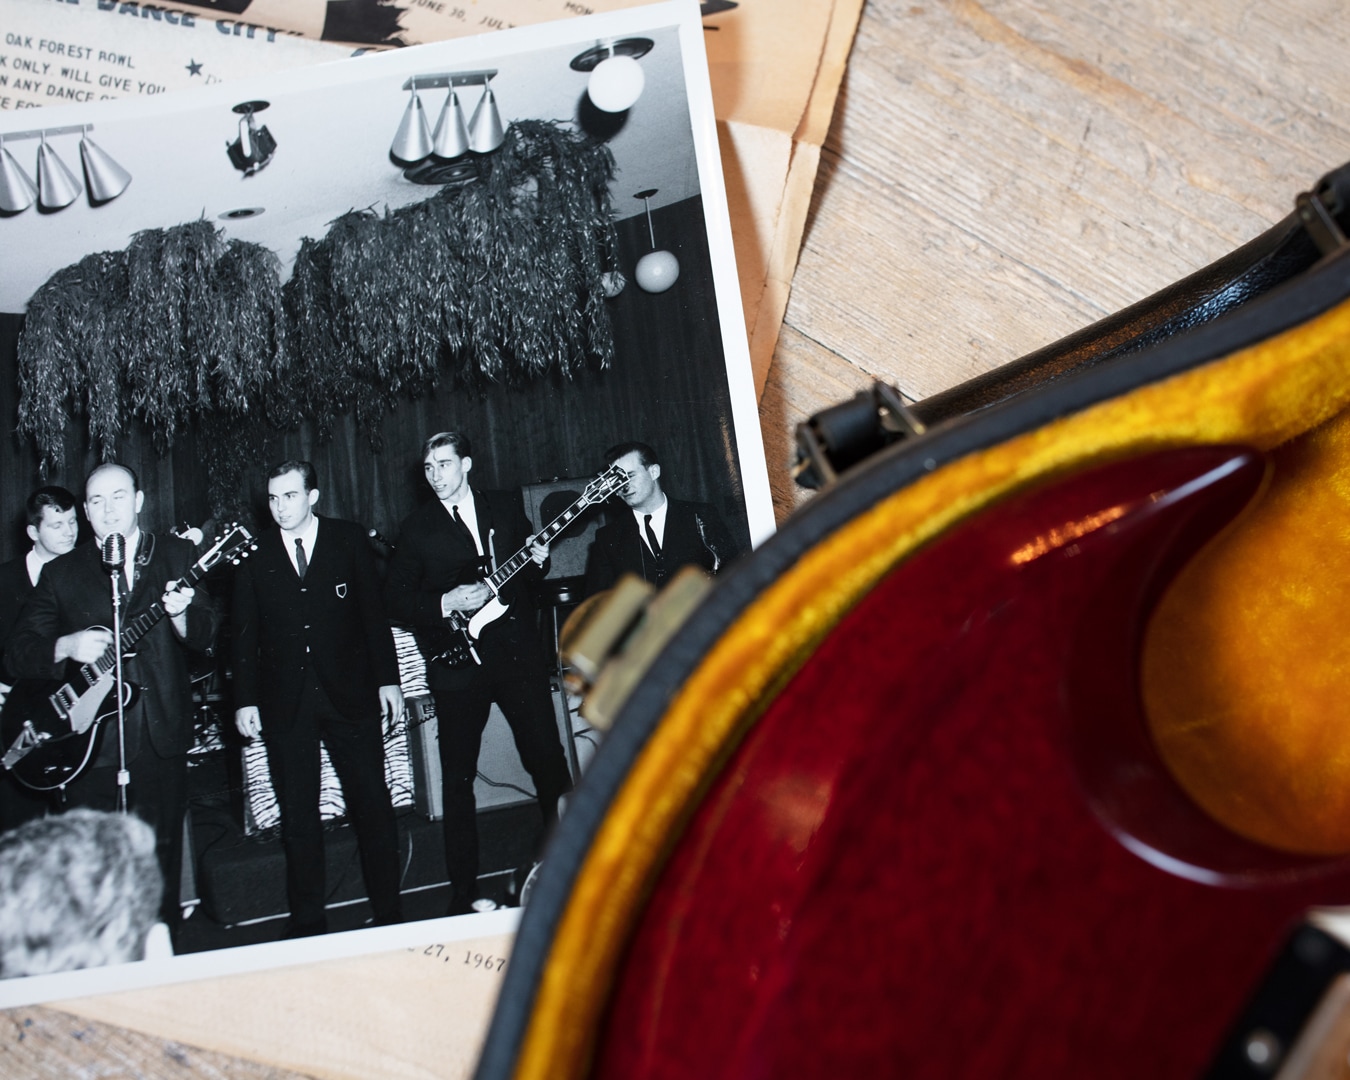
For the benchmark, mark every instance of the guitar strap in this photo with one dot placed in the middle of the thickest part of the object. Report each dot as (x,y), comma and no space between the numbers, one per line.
(145,550)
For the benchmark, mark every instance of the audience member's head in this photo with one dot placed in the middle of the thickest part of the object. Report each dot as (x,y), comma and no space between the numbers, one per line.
(77,890)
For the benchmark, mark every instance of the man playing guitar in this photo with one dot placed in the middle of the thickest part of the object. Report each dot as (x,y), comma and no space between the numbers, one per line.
(67,619)
(445,550)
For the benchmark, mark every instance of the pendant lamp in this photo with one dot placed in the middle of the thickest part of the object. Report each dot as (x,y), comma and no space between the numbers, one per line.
(656,271)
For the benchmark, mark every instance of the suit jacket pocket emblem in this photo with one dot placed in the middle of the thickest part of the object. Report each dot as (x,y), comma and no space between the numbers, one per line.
(342,591)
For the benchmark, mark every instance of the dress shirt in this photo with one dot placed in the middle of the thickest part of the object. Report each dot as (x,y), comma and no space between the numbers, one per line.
(658,517)
(306,536)
(468,514)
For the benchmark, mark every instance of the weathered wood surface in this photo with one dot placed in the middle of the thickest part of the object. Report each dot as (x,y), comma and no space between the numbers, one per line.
(1000,173)
(44,1044)
(997,175)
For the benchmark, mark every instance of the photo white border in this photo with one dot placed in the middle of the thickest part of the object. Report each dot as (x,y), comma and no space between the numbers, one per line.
(684,15)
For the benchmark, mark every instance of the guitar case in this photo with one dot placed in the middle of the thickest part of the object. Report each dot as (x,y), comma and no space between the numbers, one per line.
(1020,751)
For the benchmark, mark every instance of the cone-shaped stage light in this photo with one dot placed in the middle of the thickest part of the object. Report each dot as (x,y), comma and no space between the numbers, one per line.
(17,190)
(451,138)
(57,185)
(413,141)
(485,126)
(105,177)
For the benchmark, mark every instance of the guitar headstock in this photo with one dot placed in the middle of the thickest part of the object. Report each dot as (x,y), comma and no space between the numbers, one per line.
(233,545)
(606,484)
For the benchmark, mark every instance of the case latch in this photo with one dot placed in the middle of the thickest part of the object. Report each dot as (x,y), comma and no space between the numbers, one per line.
(1320,209)
(839,437)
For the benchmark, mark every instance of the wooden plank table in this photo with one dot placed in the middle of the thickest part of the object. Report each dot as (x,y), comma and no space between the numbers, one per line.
(997,175)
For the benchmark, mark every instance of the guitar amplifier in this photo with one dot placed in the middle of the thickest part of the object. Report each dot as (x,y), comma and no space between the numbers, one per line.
(502,779)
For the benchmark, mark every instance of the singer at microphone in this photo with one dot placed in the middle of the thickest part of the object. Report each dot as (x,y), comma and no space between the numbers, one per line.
(67,618)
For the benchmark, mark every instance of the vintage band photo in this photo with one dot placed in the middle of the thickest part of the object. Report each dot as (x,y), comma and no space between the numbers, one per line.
(333,393)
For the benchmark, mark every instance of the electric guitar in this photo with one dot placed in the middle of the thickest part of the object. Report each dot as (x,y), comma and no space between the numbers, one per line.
(453,643)
(51,729)
(901,794)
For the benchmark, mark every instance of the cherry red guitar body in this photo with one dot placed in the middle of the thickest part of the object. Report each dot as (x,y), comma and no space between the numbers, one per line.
(948,849)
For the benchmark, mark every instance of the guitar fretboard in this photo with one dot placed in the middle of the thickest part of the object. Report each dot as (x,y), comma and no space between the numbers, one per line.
(602,487)
(137,628)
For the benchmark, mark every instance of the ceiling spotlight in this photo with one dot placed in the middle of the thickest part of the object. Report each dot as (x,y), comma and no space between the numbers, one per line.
(657,270)
(451,137)
(617,79)
(17,190)
(485,126)
(106,178)
(58,187)
(413,141)
(254,146)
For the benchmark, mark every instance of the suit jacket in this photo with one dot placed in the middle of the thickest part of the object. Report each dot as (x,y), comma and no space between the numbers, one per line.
(73,593)
(434,555)
(695,535)
(333,622)
(15,589)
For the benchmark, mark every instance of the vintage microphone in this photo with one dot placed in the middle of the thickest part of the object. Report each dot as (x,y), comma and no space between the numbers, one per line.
(114,554)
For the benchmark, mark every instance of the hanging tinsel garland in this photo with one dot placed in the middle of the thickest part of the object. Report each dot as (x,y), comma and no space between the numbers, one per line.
(495,280)
(155,332)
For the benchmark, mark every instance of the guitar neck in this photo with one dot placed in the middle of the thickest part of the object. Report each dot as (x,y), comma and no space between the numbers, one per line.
(138,627)
(141,624)
(504,573)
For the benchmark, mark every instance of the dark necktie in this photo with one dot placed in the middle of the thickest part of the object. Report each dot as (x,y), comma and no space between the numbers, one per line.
(454,510)
(651,535)
(301,563)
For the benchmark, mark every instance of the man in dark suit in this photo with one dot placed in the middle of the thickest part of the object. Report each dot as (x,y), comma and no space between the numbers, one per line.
(314,659)
(445,551)
(65,619)
(53,526)
(656,535)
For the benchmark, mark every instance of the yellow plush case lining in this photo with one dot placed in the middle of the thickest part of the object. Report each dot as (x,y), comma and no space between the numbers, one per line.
(1262,396)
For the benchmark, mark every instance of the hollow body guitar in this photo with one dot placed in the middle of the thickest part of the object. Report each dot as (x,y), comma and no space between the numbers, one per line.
(452,644)
(51,729)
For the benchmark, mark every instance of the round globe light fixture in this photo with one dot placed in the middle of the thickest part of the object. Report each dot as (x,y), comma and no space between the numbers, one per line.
(657,271)
(617,78)
(616,84)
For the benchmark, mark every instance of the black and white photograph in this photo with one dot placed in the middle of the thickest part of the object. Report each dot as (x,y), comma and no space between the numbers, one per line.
(332,394)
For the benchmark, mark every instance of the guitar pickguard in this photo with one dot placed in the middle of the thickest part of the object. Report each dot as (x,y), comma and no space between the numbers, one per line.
(51,729)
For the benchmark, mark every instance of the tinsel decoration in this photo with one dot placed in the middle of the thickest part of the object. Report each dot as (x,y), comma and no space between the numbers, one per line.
(75,322)
(179,326)
(494,280)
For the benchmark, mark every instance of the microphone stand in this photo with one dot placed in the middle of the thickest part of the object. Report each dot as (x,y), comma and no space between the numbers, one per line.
(114,577)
